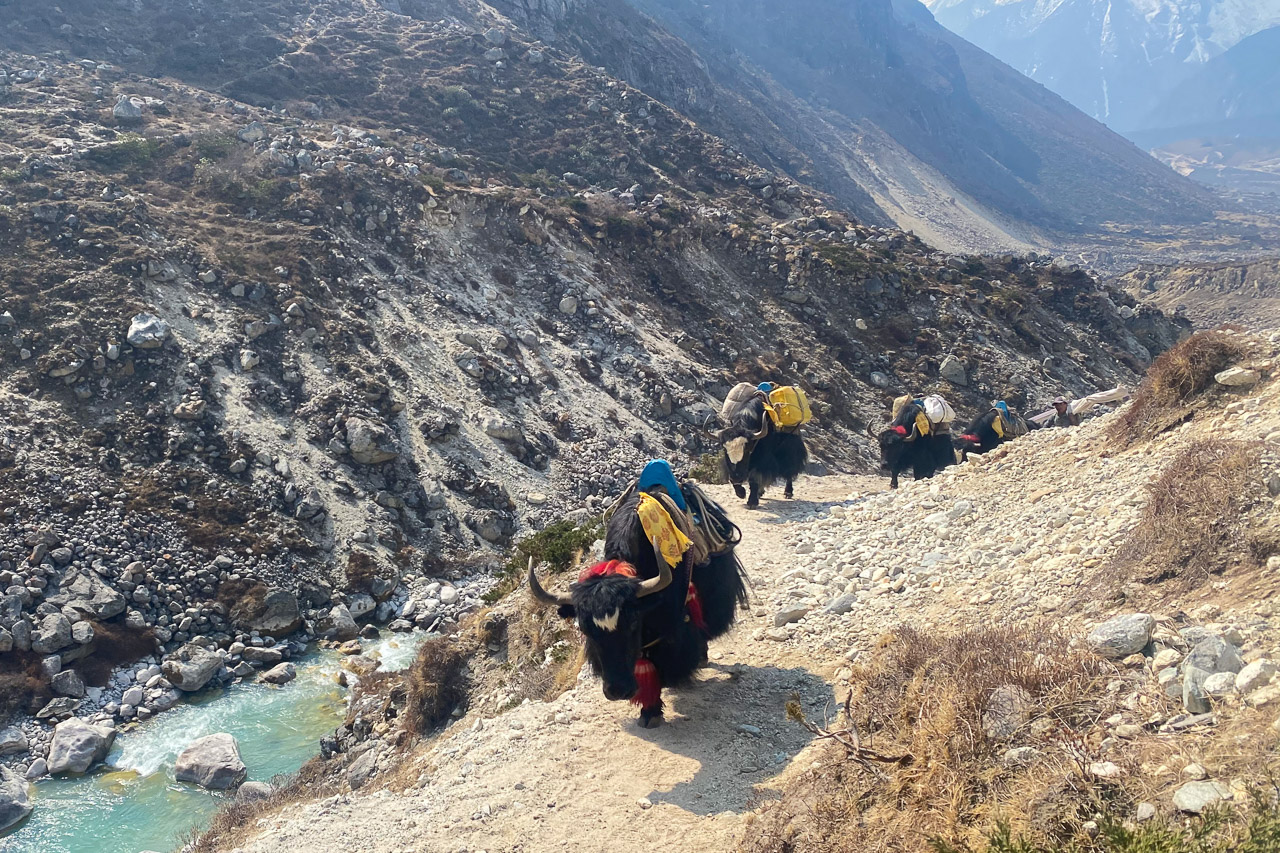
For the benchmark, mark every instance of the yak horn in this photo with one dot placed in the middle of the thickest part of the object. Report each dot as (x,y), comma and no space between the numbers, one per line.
(764,429)
(540,594)
(870,433)
(662,581)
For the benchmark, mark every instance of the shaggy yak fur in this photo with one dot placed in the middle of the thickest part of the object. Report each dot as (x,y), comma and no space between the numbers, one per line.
(902,447)
(766,459)
(619,625)
(981,436)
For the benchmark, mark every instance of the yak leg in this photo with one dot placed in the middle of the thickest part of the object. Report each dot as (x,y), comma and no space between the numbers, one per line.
(789,492)
(757,490)
(893,478)
(739,490)
(651,718)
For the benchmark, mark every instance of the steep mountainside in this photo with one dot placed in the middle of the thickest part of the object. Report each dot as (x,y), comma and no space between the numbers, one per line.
(877,105)
(1114,59)
(320,296)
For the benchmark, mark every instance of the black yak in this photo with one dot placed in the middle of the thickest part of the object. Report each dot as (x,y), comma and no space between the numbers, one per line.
(756,452)
(903,445)
(645,626)
(989,430)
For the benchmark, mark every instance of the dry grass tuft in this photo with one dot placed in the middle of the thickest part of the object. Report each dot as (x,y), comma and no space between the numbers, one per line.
(232,824)
(1195,522)
(1175,379)
(923,716)
(436,683)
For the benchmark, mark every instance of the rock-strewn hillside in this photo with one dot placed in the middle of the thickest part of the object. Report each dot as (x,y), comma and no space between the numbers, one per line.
(300,330)
(1033,538)
(1209,294)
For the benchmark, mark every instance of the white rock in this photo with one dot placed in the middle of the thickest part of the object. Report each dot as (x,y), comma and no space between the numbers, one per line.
(147,331)
(1256,675)
(1234,377)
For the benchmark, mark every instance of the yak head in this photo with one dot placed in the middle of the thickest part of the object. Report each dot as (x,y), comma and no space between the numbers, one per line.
(896,439)
(609,603)
(739,438)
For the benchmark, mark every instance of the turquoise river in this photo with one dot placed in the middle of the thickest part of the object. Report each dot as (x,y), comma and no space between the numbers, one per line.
(133,803)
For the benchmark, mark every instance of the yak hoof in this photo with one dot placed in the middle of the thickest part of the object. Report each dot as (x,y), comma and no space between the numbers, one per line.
(739,491)
(789,494)
(754,503)
(650,719)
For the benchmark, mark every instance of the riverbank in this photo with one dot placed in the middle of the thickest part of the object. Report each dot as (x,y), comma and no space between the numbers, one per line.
(132,802)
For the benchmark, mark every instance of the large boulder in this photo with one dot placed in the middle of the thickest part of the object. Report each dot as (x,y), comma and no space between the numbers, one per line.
(77,746)
(86,592)
(370,443)
(15,801)
(1122,636)
(280,674)
(191,667)
(212,762)
(339,623)
(267,610)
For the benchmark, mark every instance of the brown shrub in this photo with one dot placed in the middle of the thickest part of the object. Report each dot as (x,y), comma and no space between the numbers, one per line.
(436,684)
(114,644)
(1175,379)
(24,686)
(1194,524)
(362,571)
(923,701)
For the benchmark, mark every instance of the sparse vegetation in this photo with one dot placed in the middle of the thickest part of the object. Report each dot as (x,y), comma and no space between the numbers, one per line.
(213,145)
(1176,378)
(709,469)
(435,684)
(131,151)
(1222,830)
(558,546)
(237,818)
(1193,525)
(914,756)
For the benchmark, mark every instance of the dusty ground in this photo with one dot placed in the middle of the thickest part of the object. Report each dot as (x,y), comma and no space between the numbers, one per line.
(587,777)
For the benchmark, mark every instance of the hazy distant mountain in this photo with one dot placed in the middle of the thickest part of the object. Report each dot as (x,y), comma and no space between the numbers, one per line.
(1114,59)
(1235,93)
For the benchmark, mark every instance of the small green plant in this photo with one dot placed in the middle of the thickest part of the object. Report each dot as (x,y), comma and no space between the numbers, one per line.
(556,545)
(1222,830)
(213,145)
(130,151)
(11,176)
(708,469)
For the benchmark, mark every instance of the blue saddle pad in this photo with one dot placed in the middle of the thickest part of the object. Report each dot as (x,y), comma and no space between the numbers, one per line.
(658,473)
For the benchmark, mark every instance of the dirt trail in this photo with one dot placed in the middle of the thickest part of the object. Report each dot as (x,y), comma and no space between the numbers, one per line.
(578,773)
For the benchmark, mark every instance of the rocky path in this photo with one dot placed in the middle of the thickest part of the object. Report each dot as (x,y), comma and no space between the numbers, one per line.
(578,773)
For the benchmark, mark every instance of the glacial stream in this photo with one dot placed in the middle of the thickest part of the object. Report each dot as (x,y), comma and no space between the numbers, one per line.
(133,803)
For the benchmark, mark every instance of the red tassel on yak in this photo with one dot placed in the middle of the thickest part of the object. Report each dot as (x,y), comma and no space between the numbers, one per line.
(649,694)
(694,606)
(900,430)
